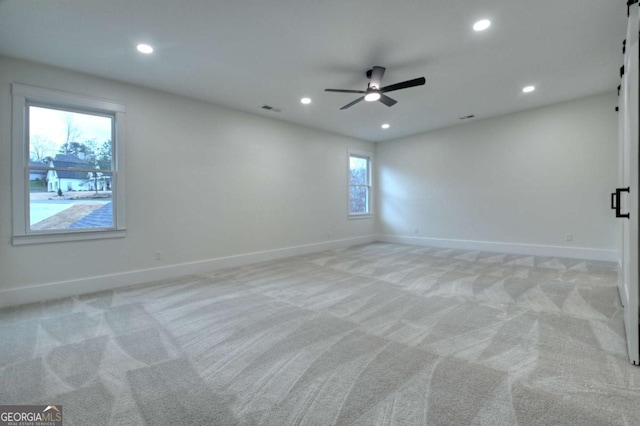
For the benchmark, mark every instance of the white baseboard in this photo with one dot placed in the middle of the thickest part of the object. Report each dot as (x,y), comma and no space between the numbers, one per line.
(61,289)
(528,249)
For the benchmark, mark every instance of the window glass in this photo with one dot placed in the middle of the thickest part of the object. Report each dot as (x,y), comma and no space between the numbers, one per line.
(359,170)
(359,185)
(359,203)
(70,169)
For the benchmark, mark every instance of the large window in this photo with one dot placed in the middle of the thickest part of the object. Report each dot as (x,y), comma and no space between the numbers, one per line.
(67,167)
(359,184)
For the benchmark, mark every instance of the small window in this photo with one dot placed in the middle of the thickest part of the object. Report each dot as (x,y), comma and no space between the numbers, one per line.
(68,177)
(359,184)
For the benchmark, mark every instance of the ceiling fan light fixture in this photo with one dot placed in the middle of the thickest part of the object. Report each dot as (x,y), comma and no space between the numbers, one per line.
(372,96)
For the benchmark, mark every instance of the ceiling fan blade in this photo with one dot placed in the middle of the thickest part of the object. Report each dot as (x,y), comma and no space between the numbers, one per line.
(404,85)
(344,91)
(350,104)
(387,100)
(376,77)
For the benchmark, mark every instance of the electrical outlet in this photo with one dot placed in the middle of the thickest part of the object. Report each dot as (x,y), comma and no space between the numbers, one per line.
(568,237)
(158,255)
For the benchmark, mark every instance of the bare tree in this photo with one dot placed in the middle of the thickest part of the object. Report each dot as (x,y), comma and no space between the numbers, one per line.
(73,133)
(41,148)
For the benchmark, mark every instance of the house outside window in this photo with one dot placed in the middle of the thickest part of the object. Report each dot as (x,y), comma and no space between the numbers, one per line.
(360,196)
(68,174)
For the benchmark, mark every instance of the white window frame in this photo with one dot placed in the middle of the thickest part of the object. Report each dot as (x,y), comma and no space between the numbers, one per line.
(22,97)
(369,157)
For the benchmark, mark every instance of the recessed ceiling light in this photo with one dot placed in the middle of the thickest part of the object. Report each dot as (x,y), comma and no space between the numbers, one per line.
(482,25)
(144,48)
(529,89)
(385,126)
(305,100)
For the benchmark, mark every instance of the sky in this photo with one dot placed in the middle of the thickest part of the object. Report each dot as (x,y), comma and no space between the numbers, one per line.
(51,124)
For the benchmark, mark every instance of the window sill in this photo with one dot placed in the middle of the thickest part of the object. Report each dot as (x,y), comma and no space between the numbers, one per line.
(360,216)
(19,240)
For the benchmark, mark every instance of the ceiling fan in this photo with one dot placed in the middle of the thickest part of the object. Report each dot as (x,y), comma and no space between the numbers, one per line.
(376,93)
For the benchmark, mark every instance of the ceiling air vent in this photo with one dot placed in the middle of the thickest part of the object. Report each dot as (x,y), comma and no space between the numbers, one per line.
(270,108)
(466,117)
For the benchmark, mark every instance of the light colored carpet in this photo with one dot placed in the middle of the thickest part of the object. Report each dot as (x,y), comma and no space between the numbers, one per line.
(380,334)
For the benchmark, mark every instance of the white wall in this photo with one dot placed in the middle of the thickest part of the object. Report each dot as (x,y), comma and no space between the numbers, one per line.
(203,182)
(523,180)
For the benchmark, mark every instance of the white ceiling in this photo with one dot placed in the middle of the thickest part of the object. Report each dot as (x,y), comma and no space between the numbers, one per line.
(247,53)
